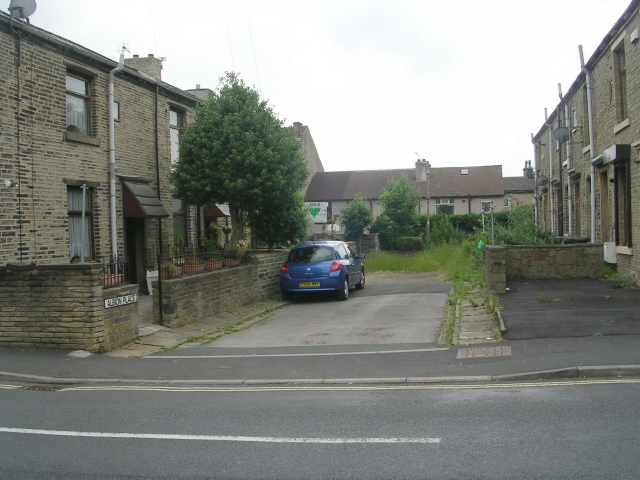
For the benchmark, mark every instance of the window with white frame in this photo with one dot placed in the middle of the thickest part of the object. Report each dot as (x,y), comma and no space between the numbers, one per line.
(78,104)
(486,205)
(622,192)
(176,121)
(80,235)
(621,84)
(445,206)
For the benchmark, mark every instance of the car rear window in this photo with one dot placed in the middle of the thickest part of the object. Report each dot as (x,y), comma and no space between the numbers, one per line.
(312,254)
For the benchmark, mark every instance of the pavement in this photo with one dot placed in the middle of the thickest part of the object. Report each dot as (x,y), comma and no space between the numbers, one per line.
(544,329)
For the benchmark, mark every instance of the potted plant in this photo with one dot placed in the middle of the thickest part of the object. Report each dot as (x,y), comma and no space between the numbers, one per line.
(169,270)
(235,252)
(112,279)
(193,265)
(213,263)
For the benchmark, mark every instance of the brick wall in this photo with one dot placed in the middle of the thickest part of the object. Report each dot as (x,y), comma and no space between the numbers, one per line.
(120,323)
(545,261)
(191,297)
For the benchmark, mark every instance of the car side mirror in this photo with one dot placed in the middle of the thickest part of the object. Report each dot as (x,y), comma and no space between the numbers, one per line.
(361,256)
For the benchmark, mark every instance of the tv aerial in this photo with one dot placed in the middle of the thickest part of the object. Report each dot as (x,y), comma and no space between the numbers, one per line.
(22,9)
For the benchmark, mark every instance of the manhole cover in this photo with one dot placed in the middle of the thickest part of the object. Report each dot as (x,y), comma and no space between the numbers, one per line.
(43,388)
(483,352)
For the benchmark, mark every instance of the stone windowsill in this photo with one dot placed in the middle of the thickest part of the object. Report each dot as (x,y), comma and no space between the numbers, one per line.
(621,126)
(77,137)
(624,250)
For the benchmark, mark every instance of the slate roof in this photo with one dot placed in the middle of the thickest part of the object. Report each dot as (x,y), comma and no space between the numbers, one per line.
(443,182)
(519,185)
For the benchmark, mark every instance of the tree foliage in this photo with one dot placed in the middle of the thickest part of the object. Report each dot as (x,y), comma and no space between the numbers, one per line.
(400,201)
(237,151)
(289,226)
(356,217)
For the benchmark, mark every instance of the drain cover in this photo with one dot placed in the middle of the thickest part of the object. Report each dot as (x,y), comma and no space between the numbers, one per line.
(483,352)
(43,388)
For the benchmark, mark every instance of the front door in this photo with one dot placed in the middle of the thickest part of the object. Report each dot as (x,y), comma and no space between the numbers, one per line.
(135,252)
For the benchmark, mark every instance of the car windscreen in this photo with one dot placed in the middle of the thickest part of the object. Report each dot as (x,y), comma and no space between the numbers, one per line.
(312,253)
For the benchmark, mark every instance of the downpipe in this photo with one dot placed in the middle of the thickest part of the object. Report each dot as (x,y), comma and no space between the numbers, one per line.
(112,157)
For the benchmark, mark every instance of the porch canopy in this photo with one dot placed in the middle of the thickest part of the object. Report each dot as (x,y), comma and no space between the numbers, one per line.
(140,201)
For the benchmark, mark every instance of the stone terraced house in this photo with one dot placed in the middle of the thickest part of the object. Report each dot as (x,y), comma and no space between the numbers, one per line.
(587,152)
(66,192)
(450,190)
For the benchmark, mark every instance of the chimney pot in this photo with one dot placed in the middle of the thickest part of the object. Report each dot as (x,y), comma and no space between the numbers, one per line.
(151,55)
(197,86)
(136,56)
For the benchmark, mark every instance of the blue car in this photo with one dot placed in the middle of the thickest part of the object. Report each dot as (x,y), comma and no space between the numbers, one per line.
(322,266)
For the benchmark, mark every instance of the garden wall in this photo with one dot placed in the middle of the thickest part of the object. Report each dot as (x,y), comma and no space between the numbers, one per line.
(62,307)
(541,261)
(192,297)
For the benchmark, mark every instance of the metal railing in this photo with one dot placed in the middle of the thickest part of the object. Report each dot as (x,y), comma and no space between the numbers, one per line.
(115,272)
(177,262)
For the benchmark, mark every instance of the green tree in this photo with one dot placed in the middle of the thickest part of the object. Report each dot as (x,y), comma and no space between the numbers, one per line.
(356,217)
(237,151)
(400,202)
(289,226)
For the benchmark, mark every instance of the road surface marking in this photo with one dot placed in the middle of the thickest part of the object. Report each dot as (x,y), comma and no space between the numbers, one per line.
(220,438)
(347,387)
(332,354)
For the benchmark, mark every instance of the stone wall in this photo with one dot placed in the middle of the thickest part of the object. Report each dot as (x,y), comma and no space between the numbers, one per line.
(542,261)
(121,324)
(62,307)
(191,297)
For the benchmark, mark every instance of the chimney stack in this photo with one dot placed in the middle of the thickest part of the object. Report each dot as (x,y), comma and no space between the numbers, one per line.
(150,66)
(422,167)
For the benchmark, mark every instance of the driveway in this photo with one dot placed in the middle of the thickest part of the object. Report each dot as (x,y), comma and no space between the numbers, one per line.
(391,310)
(560,308)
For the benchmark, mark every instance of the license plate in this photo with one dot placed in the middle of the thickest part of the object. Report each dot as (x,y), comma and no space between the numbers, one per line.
(309,284)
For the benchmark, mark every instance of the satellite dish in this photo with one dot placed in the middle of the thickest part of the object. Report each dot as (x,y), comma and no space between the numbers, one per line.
(22,9)
(562,134)
(542,180)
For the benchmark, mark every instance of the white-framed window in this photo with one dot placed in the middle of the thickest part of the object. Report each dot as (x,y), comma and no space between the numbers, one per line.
(176,122)
(79,247)
(622,192)
(507,202)
(78,103)
(486,205)
(445,206)
(621,84)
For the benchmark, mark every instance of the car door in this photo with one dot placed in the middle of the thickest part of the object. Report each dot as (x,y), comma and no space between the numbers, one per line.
(348,261)
(356,265)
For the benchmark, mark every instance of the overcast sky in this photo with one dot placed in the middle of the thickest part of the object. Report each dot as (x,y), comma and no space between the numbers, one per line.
(462,83)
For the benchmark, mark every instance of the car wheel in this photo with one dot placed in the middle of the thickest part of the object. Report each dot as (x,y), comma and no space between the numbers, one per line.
(360,284)
(343,293)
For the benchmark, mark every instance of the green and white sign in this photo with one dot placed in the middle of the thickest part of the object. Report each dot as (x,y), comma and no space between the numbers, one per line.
(317,211)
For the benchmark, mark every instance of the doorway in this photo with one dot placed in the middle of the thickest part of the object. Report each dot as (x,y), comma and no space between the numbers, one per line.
(135,252)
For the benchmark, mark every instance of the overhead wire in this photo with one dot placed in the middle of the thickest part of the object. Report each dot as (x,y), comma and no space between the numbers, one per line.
(226,21)
(252,46)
